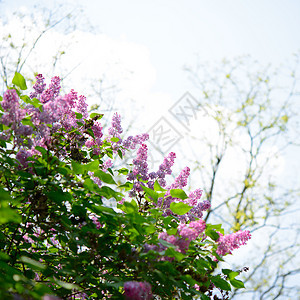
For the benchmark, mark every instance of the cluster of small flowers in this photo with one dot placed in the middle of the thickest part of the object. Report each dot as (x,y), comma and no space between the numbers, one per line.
(59,111)
(115,131)
(106,165)
(163,170)
(132,141)
(229,242)
(13,115)
(185,234)
(96,222)
(135,290)
(140,169)
(181,180)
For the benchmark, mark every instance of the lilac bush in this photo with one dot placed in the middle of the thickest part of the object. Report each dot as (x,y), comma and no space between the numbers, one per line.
(58,237)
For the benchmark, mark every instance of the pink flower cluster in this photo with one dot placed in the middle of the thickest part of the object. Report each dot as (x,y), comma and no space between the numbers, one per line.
(229,242)
(185,234)
(134,290)
(181,179)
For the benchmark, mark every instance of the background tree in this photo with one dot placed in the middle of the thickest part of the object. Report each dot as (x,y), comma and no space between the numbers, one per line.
(251,113)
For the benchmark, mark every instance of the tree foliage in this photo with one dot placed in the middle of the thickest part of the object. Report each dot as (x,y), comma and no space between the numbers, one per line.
(253,115)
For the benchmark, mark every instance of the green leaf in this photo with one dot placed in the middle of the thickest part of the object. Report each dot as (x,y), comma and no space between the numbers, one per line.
(130,207)
(92,166)
(114,139)
(32,263)
(123,171)
(78,116)
(120,154)
(212,234)
(96,116)
(105,177)
(166,244)
(238,284)
(109,193)
(180,208)
(217,227)
(19,81)
(157,187)
(231,274)
(150,193)
(178,193)
(77,167)
(7,214)
(220,283)
(173,253)
(42,150)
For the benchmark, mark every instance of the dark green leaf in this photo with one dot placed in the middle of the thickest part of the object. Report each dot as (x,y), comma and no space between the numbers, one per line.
(32,263)
(77,167)
(220,283)
(78,116)
(212,234)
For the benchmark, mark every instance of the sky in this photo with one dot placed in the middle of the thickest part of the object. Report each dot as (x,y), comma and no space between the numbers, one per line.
(142,47)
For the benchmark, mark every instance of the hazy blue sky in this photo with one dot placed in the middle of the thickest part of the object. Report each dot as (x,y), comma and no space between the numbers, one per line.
(175,31)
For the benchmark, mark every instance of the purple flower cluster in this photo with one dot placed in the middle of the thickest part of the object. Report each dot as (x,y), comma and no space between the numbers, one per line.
(140,164)
(229,242)
(116,129)
(134,290)
(194,197)
(132,141)
(185,234)
(181,180)
(106,165)
(52,92)
(164,169)
(38,87)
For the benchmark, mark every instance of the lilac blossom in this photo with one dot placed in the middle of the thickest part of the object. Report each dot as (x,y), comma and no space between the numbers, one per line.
(52,92)
(227,243)
(115,130)
(38,87)
(194,197)
(10,100)
(181,180)
(131,142)
(134,290)
(140,164)
(106,165)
